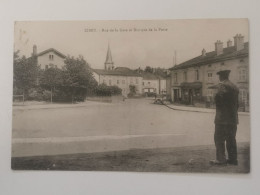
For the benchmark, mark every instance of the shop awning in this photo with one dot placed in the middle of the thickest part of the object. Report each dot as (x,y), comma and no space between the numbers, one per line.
(193,85)
(213,87)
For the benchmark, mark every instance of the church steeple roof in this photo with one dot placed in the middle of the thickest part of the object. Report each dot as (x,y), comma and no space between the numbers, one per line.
(109,64)
(109,56)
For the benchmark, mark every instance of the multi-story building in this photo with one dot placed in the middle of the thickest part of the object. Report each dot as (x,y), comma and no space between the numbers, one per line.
(194,79)
(153,83)
(121,76)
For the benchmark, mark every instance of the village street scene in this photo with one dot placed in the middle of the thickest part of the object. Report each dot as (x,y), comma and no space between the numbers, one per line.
(135,107)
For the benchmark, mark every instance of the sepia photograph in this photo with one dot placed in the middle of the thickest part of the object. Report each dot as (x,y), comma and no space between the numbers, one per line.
(131,96)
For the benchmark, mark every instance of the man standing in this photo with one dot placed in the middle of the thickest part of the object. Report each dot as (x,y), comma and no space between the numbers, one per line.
(226,120)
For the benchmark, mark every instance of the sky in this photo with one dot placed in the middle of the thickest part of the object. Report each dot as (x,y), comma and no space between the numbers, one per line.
(133,44)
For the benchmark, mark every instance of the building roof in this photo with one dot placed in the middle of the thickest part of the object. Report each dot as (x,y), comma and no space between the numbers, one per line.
(211,57)
(149,76)
(120,71)
(52,50)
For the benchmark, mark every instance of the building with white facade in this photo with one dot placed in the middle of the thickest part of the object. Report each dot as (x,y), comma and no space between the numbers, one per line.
(49,58)
(153,83)
(121,76)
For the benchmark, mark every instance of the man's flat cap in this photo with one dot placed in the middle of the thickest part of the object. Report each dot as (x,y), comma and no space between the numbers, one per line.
(224,72)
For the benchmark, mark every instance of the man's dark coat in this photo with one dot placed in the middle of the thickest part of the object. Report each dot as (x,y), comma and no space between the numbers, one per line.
(226,103)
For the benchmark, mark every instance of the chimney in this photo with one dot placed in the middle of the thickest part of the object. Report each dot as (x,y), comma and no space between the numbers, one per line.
(219,47)
(239,42)
(34,50)
(203,53)
(229,43)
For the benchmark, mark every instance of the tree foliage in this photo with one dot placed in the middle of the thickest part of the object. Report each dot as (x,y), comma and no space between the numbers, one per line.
(77,78)
(104,90)
(132,92)
(25,73)
(148,69)
(72,83)
(51,78)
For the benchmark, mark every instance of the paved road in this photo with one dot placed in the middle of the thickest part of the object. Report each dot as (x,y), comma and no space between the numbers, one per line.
(104,127)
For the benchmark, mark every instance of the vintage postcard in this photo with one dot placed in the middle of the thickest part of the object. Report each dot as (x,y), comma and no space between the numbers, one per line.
(142,95)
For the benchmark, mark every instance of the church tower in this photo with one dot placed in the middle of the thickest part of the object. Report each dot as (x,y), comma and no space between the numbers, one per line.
(109,64)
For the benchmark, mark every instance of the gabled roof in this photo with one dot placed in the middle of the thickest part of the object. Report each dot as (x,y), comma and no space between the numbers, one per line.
(122,71)
(211,57)
(52,50)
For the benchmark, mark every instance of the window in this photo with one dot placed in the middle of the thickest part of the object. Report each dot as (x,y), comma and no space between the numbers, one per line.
(175,78)
(143,83)
(131,79)
(104,81)
(209,65)
(222,63)
(46,66)
(117,82)
(210,76)
(197,76)
(51,65)
(110,82)
(51,57)
(136,80)
(185,76)
(242,74)
(243,95)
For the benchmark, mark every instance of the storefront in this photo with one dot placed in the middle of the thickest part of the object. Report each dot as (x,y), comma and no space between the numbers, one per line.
(191,92)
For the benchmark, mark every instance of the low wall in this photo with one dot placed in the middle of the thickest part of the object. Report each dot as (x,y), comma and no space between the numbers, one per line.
(108,99)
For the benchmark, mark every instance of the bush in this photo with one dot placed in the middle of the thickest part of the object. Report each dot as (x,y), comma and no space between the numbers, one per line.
(39,94)
(104,90)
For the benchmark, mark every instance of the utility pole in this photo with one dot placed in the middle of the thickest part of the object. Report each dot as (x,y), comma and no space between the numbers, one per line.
(175,54)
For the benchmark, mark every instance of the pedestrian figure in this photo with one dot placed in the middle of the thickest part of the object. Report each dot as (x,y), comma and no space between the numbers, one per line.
(226,120)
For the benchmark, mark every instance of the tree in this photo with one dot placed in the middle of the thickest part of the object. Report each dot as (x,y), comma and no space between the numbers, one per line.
(51,79)
(148,69)
(132,89)
(78,80)
(25,73)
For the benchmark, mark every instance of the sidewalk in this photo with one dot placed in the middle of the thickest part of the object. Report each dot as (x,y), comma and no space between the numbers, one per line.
(197,109)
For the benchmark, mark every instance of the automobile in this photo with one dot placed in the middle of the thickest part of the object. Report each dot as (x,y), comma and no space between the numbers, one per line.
(159,98)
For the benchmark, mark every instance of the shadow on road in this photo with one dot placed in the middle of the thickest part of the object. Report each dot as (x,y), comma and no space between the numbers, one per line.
(181,159)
